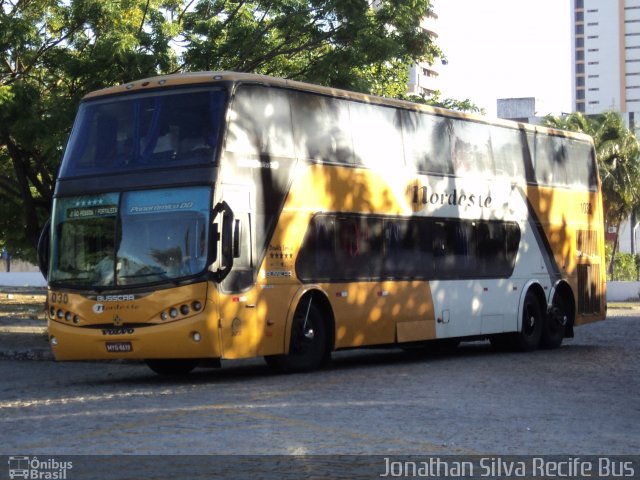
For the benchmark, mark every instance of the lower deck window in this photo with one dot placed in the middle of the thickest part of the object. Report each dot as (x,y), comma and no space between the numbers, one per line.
(352,247)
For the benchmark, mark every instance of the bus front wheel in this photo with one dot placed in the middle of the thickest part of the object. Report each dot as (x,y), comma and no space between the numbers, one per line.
(307,348)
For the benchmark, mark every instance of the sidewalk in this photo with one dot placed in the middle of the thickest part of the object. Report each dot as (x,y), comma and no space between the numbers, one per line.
(23,327)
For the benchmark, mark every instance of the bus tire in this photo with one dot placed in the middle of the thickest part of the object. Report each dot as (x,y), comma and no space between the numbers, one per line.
(528,338)
(555,324)
(172,367)
(308,344)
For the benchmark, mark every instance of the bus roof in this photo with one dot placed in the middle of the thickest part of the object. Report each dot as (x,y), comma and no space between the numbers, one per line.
(196,78)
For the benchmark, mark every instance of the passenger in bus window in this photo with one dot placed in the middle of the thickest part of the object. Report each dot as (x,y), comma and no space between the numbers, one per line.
(105,267)
(202,144)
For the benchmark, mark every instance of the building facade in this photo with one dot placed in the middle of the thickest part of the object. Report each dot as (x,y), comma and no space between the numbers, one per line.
(423,77)
(606,57)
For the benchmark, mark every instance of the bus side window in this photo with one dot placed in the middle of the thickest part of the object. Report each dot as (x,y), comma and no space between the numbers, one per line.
(439,247)
(408,250)
(242,275)
(359,247)
(580,162)
(491,248)
(261,122)
(551,161)
(377,138)
(471,149)
(426,142)
(508,152)
(322,128)
(324,245)
(316,260)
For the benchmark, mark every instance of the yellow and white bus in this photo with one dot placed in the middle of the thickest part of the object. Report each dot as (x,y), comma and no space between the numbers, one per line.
(219,215)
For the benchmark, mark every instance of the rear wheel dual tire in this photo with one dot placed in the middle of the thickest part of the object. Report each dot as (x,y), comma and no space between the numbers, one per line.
(556,324)
(530,334)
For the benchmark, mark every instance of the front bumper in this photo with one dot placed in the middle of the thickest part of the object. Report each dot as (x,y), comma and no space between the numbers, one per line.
(172,340)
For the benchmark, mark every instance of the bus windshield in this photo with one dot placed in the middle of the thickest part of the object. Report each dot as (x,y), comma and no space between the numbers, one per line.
(133,238)
(154,130)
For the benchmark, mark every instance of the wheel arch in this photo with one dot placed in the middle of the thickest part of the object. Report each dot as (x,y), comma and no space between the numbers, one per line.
(537,289)
(321,301)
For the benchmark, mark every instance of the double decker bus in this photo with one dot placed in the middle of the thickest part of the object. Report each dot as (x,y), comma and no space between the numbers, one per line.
(218,215)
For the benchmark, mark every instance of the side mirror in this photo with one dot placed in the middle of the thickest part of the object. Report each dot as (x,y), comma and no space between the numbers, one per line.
(44,249)
(227,248)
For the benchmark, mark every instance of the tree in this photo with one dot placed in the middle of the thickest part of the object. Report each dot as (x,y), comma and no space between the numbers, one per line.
(55,51)
(337,43)
(449,103)
(618,157)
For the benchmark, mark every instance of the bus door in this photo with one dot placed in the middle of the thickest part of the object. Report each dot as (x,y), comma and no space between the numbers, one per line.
(236,296)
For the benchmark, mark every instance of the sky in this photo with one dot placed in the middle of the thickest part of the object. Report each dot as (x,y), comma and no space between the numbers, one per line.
(506,49)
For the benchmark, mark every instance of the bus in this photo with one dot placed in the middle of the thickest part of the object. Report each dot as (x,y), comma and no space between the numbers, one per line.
(207,216)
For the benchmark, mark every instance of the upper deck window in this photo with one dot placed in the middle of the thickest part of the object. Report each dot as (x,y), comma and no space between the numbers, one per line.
(160,129)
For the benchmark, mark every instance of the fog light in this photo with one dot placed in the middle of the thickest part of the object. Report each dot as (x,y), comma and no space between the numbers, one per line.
(54,341)
(184,309)
(173,312)
(164,316)
(67,316)
(197,306)
(60,314)
(196,336)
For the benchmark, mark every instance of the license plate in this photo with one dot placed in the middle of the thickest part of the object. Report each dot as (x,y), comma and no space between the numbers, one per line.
(119,347)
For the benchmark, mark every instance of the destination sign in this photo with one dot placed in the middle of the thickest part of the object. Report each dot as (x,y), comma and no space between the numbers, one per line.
(92,211)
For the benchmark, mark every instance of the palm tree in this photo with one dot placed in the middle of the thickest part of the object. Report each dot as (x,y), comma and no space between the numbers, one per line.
(617,154)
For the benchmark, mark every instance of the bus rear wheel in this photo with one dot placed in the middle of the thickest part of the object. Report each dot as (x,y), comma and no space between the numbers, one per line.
(528,338)
(555,324)
(172,367)
(308,345)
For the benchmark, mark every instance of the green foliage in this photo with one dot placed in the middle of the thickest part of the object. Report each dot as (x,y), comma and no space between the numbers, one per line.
(617,152)
(449,103)
(618,157)
(338,43)
(53,52)
(625,265)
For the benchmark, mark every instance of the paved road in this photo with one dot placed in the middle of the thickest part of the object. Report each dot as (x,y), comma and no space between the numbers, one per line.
(580,399)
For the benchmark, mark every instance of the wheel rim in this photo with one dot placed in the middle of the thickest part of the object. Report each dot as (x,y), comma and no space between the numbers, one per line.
(558,318)
(303,337)
(529,319)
